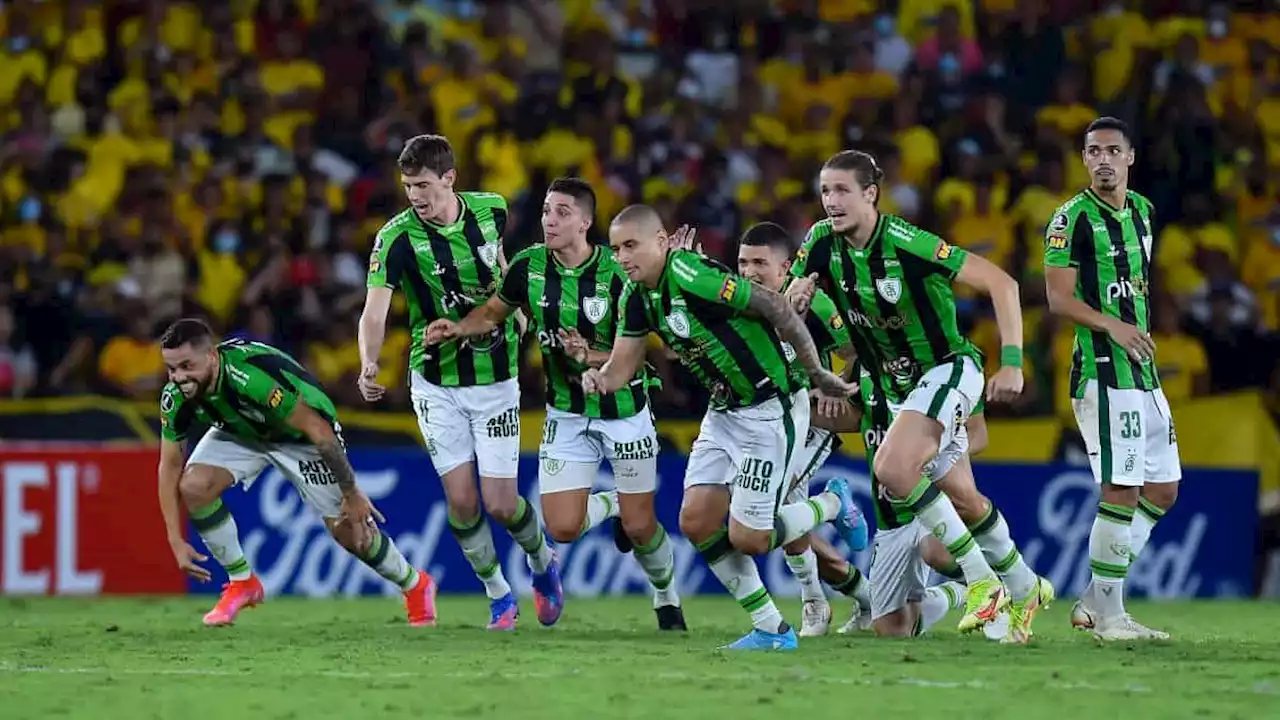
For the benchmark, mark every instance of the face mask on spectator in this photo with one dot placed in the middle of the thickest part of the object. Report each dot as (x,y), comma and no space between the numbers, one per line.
(884,26)
(29,210)
(226,242)
(19,44)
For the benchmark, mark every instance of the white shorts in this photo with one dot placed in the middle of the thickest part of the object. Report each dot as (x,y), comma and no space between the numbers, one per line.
(898,572)
(462,424)
(818,445)
(573,446)
(299,463)
(752,450)
(1129,435)
(947,393)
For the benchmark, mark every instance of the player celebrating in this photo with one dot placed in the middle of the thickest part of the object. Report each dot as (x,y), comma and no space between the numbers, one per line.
(263,409)
(1097,262)
(444,251)
(731,335)
(570,290)
(764,256)
(892,281)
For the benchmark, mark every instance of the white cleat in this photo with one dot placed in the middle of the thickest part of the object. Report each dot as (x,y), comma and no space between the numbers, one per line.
(1082,618)
(815,618)
(858,622)
(1125,627)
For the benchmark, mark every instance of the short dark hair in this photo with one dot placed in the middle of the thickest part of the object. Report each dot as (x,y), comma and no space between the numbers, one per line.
(866,171)
(426,152)
(578,189)
(187,330)
(771,235)
(1107,122)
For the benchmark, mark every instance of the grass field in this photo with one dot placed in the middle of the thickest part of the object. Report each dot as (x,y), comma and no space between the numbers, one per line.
(306,659)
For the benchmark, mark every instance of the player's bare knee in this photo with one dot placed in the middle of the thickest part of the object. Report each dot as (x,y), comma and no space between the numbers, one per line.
(1162,495)
(748,541)
(343,534)
(697,526)
(897,470)
(563,529)
(198,486)
(501,499)
(640,528)
(797,547)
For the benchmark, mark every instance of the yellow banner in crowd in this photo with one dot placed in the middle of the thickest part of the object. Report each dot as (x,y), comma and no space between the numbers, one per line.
(1230,431)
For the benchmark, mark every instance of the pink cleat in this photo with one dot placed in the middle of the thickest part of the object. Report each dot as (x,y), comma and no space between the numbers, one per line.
(420,601)
(236,596)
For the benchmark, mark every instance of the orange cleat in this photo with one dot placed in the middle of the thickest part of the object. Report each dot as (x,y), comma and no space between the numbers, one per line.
(420,601)
(236,596)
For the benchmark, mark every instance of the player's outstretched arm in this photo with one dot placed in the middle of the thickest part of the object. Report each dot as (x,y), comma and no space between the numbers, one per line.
(172,460)
(369,338)
(357,511)
(775,309)
(985,276)
(624,362)
(480,321)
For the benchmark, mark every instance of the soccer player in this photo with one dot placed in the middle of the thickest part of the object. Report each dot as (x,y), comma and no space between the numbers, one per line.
(263,408)
(1097,262)
(570,290)
(445,253)
(739,340)
(764,256)
(892,281)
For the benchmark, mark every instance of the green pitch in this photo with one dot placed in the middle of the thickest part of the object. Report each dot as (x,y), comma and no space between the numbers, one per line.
(307,659)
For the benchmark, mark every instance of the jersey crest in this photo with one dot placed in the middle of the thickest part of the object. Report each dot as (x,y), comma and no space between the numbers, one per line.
(679,324)
(889,288)
(489,254)
(595,308)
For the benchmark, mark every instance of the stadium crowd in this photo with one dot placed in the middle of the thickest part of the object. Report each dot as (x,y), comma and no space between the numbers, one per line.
(234,159)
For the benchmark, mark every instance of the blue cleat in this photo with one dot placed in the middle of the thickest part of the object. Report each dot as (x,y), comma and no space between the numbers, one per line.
(503,612)
(850,524)
(761,640)
(548,594)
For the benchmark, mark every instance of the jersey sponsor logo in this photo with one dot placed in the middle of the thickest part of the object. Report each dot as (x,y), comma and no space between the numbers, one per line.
(1126,289)
(167,402)
(595,308)
(276,397)
(315,472)
(944,250)
(873,437)
(901,368)
(506,425)
(375,265)
(728,289)
(1059,223)
(1057,241)
(836,322)
(890,288)
(485,342)
(641,449)
(755,474)
(857,318)
(679,324)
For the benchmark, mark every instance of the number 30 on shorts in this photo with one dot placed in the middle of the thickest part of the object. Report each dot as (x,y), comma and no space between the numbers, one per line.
(548,432)
(1130,424)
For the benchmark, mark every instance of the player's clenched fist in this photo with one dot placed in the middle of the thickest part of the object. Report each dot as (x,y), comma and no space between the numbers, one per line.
(1005,385)
(593,382)
(440,331)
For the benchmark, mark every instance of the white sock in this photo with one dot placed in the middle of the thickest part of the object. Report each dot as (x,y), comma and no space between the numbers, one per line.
(217,528)
(527,532)
(805,567)
(386,560)
(935,511)
(600,507)
(992,535)
(740,576)
(1109,557)
(658,559)
(476,540)
(794,521)
(1144,521)
(938,601)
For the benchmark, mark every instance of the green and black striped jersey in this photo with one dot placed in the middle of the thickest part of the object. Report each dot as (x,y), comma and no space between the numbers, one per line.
(256,390)
(699,309)
(583,298)
(896,298)
(1111,251)
(876,418)
(445,272)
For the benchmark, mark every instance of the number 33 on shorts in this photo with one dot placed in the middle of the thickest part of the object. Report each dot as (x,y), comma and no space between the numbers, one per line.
(1129,435)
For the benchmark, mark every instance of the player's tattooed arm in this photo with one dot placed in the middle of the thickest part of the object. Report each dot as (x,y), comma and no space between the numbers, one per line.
(320,432)
(777,311)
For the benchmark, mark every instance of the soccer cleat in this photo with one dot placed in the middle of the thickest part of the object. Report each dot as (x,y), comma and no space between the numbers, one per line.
(548,594)
(670,617)
(620,539)
(1023,612)
(850,524)
(236,596)
(761,640)
(420,601)
(860,620)
(503,612)
(815,618)
(1124,627)
(1081,616)
(983,601)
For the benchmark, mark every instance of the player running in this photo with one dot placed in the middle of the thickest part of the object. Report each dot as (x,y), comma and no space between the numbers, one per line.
(570,290)
(263,409)
(892,281)
(1097,262)
(445,253)
(738,340)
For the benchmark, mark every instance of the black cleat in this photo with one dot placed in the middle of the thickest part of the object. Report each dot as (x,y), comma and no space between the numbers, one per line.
(620,539)
(671,617)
